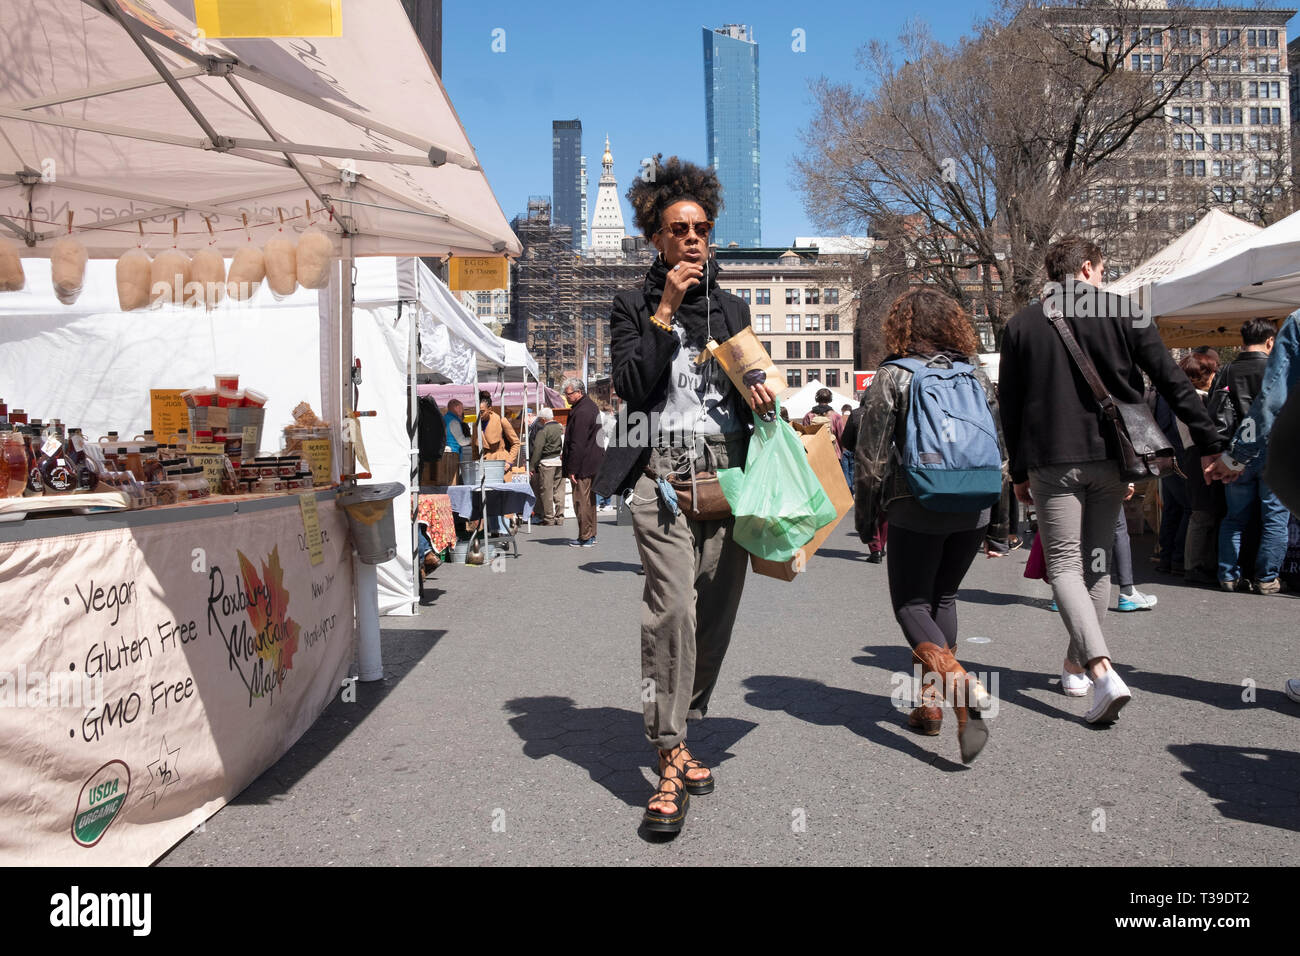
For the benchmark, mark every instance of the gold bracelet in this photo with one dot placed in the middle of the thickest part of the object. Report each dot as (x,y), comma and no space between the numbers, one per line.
(667,327)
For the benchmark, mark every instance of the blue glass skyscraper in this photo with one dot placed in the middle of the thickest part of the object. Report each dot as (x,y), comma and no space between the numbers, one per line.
(731,125)
(566,177)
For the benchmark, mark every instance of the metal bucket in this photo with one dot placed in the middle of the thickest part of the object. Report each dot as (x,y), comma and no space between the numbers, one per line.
(494,470)
(370,518)
(471,472)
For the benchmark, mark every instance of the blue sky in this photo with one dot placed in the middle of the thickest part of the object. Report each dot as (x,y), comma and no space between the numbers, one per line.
(636,72)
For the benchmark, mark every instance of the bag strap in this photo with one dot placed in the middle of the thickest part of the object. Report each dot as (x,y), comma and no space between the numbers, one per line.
(1084,365)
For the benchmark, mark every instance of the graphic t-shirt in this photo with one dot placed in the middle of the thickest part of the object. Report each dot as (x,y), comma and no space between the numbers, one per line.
(696,400)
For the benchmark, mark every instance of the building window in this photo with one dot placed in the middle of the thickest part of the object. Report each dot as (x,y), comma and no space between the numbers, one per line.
(831,323)
(762,296)
(811,296)
(743,294)
(767,346)
(832,377)
(814,374)
(832,296)
(814,350)
(792,350)
(812,323)
(833,350)
(762,322)
(791,323)
(791,296)
(794,378)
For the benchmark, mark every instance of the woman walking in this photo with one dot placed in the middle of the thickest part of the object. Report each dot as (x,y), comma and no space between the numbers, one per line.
(681,416)
(929,550)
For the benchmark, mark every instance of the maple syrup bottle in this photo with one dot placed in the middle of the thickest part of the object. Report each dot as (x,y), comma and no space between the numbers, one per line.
(87,480)
(13,462)
(31,441)
(57,466)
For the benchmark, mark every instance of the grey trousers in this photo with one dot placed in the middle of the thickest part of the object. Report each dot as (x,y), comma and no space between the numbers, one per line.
(1077,504)
(694,575)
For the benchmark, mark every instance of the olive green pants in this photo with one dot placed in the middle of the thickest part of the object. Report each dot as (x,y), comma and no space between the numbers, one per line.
(694,576)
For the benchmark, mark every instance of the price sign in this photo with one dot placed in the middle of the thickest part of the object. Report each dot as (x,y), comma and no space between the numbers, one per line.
(319,455)
(249,444)
(311,527)
(168,413)
(205,448)
(214,469)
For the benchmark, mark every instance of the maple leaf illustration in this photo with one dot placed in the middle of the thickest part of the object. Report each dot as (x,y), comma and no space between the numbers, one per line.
(269,614)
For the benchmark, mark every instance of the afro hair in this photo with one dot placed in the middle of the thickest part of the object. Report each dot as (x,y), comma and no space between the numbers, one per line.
(663,184)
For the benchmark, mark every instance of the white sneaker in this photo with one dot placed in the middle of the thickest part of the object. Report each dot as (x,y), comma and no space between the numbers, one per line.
(1075,685)
(1292,689)
(1109,695)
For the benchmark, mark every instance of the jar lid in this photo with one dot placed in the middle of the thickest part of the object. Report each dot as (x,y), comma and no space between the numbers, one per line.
(120,451)
(149,449)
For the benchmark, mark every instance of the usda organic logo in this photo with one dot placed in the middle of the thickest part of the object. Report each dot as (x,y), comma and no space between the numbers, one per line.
(101,800)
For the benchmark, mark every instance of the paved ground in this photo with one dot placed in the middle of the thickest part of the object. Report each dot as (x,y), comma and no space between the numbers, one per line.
(507,731)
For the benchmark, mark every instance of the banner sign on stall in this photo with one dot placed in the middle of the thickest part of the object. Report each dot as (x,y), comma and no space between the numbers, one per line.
(153,672)
(319,455)
(168,413)
(862,380)
(311,527)
(477,273)
(285,18)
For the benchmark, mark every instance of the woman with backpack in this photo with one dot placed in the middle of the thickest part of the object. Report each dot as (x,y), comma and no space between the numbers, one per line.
(931,460)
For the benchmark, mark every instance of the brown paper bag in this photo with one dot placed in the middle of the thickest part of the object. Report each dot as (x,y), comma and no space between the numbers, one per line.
(826,466)
(743,353)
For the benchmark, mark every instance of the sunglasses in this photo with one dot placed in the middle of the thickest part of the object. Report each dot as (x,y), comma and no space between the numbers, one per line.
(680,229)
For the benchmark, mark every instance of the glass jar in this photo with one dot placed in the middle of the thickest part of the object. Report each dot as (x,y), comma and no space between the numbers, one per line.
(13,462)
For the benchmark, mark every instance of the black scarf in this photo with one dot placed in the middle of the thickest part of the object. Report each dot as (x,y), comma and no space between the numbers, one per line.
(696,313)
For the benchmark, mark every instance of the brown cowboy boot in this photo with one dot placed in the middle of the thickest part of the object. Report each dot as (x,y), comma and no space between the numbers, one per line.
(928,717)
(972,735)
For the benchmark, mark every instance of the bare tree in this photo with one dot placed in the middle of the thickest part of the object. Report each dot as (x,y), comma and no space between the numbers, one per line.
(981,152)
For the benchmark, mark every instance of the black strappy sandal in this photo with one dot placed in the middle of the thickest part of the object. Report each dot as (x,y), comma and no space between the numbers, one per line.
(696,786)
(671,791)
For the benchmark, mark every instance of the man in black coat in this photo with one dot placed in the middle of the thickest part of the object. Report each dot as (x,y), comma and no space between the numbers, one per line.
(583,453)
(1064,462)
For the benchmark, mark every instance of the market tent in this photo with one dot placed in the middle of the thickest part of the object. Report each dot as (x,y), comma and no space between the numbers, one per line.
(798,401)
(1258,276)
(511,395)
(1213,233)
(123,113)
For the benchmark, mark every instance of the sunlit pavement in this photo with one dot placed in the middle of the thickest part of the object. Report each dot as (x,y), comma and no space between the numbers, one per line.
(508,731)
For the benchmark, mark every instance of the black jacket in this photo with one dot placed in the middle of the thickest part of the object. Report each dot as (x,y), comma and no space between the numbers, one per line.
(641,357)
(1049,415)
(1242,379)
(582,448)
(849,437)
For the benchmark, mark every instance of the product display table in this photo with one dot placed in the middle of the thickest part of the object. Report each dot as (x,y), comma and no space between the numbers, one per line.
(155,662)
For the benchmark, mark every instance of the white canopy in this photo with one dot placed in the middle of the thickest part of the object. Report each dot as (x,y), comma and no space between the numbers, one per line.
(1258,276)
(1214,232)
(119,113)
(799,401)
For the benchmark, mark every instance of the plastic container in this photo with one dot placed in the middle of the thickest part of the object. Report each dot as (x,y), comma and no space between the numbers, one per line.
(227,380)
(254,398)
(229,398)
(370,518)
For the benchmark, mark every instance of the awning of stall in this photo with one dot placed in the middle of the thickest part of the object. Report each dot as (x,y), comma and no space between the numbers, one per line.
(1206,302)
(122,115)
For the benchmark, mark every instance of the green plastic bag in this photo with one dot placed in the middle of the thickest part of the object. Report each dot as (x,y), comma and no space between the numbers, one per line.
(778,502)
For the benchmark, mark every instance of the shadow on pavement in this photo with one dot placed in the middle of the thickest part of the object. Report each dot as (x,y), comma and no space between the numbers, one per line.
(609,743)
(1251,784)
(999,599)
(601,567)
(867,715)
(1223,696)
(402,650)
(860,556)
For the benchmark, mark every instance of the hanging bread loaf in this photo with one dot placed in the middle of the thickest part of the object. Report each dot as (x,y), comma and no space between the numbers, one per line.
(281,268)
(11,268)
(247,270)
(171,273)
(315,253)
(68,269)
(134,275)
(207,279)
